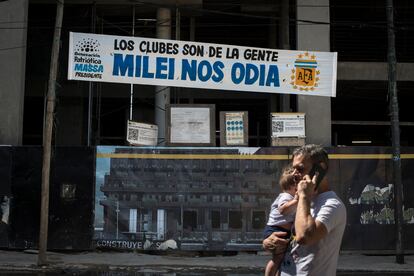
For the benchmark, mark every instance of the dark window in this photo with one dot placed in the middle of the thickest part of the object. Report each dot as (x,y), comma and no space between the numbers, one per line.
(215,219)
(258,219)
(235,219)
(190,220)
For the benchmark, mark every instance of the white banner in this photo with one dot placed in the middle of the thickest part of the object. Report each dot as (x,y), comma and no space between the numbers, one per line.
(121,59)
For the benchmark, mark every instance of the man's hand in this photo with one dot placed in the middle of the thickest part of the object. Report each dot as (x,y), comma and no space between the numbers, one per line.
(276,242)
(306,187)
(308,230)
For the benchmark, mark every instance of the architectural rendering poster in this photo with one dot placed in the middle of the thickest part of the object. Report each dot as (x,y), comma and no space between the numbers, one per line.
(187,198)
(219,198)
(139,60)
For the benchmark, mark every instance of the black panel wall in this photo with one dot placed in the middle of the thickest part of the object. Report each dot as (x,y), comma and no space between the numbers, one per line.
(5,194)
(71,197)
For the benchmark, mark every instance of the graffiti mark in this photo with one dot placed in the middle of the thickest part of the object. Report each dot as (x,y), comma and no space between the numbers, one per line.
(385,216)
(376,198)
(373,195)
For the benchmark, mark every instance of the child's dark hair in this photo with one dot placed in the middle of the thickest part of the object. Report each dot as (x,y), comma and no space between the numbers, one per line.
(287,179)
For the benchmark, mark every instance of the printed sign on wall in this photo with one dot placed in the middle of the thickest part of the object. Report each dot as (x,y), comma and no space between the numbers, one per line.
(234,128)
(120,59)
(190,124)
(288,125)
(142,134)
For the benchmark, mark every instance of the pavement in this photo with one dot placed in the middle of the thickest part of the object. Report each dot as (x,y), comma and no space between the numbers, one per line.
(26,261)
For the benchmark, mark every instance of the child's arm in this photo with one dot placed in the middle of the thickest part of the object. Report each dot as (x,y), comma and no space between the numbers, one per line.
(289,207)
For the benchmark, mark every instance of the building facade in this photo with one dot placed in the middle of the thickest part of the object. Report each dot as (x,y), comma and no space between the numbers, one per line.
(96,113)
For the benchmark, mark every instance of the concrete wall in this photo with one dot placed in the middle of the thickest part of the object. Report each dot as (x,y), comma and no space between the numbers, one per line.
(314,37)
(12,69)
(373,71)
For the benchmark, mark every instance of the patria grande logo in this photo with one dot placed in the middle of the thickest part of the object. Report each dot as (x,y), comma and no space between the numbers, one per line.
(87,45)
(305,75)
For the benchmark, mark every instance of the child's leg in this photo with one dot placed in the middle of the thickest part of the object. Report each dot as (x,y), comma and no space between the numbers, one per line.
(271,269)
(272,266)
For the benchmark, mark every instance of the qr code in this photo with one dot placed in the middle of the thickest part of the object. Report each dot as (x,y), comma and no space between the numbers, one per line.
(133,134)
(278,126)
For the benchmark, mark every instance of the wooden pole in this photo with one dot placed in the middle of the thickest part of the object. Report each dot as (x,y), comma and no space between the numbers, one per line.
(395,131)
(284,43)
(47,136)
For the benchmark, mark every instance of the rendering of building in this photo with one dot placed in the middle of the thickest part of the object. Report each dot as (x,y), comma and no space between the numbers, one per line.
(202,204)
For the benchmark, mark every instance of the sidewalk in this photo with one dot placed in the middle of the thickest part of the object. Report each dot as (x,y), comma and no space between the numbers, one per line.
(88,261)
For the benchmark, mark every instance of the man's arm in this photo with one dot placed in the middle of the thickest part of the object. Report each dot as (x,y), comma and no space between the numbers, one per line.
(308,230)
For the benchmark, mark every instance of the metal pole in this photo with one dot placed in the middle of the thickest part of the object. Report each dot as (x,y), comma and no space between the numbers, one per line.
(177,37)
(395,130)
(284,25)
(284,44)
(117,219)
(131,98)
(47,136)
(177,24)
(90,88)
(192,28)
(192,38)
(162,93)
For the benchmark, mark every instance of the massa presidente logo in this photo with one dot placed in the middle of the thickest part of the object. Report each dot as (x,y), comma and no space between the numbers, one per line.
(87,60)
(305,76)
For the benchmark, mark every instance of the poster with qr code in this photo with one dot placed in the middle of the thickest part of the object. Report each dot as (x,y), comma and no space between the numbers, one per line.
(288,125)
(142,134)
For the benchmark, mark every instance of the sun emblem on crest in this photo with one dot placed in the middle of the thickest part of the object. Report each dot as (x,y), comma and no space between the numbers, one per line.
(305,76)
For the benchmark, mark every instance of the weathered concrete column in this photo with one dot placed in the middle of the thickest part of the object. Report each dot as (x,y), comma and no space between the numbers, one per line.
(13,36)
(162,93)
(314,37)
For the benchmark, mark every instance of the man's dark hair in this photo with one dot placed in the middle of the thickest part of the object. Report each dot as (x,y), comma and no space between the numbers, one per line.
(315,152)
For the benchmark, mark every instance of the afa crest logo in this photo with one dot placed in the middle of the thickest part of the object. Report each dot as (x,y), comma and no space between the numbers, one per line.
(305,76)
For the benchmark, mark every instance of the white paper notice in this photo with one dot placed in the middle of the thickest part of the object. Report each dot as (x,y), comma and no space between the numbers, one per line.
(142,134)
(190,125)
(288,125)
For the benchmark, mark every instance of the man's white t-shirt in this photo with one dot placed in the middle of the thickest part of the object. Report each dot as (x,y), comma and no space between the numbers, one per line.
(320,258)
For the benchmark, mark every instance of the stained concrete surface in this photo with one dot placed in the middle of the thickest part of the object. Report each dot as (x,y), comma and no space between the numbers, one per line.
(182,264)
